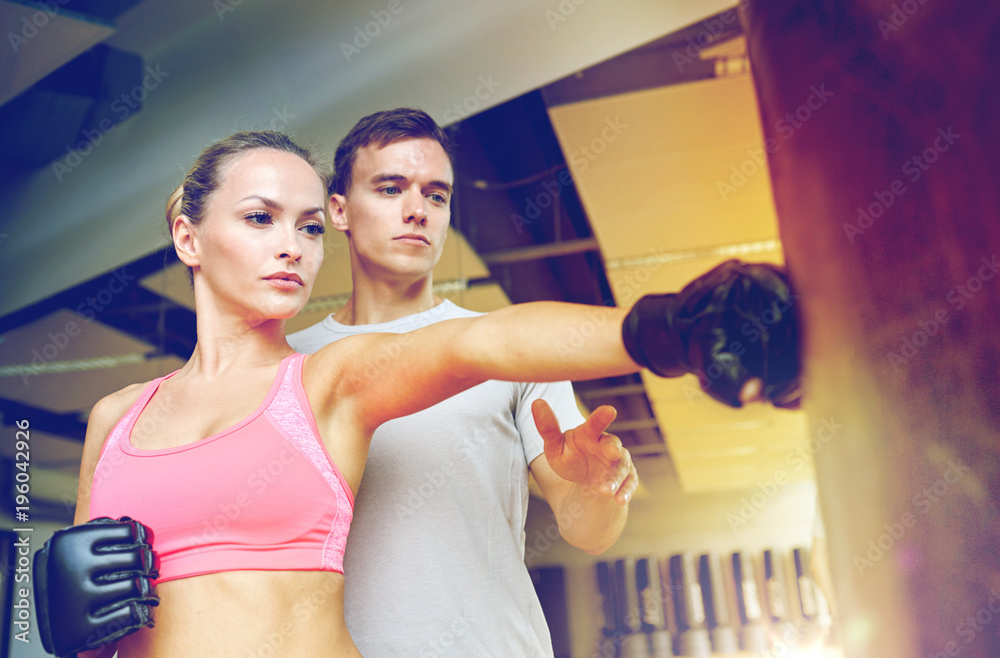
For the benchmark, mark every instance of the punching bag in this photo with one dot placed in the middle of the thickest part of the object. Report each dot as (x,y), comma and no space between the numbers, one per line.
(881,120)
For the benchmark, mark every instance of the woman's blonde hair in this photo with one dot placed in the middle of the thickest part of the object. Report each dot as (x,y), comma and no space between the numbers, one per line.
(191,197)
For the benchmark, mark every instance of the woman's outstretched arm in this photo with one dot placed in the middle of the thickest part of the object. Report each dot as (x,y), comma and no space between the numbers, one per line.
(385,376)
(546,341)
(735,327)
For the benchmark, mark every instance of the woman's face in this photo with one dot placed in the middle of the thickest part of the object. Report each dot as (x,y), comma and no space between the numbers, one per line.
(260,244)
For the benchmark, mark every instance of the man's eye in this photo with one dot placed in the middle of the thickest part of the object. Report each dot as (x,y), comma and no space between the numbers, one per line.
(392,190)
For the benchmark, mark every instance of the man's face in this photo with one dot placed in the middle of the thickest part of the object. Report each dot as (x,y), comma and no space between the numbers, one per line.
(397,210)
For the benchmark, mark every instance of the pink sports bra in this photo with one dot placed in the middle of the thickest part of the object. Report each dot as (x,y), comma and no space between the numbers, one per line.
(263,494)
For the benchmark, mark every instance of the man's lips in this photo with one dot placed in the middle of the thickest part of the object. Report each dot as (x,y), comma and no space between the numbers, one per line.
(413,237)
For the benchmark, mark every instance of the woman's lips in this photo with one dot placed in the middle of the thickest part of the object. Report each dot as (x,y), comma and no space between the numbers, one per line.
(285,281)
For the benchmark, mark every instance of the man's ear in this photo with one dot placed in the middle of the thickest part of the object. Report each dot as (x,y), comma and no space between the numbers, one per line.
(338,212)
(185,241)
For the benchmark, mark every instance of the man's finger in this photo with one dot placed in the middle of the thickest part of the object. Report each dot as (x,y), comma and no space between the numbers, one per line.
(628,480)
(599,420)
(545,420)
(628,488)
(611,447)
(616,471)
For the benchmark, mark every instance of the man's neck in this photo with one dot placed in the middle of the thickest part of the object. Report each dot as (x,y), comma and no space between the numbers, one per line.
(375,302)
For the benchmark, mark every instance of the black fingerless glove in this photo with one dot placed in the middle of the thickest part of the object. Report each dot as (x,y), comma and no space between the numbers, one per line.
(94,584)
(736,322)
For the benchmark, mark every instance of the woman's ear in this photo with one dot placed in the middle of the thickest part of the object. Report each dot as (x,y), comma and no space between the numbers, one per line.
(338,212)
(185,241)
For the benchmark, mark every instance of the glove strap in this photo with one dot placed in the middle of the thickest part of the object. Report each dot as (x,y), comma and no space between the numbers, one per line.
(651,322)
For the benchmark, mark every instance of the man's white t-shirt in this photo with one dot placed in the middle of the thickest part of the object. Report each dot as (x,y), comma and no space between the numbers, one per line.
(435,557)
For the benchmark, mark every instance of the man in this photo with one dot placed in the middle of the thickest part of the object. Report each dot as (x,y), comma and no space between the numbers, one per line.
(435,557)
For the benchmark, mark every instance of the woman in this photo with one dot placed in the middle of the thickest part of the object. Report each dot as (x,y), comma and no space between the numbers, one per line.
(244,462)
(182,456)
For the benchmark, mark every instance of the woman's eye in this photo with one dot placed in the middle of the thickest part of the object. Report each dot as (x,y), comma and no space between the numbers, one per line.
(258,218)
(314,229)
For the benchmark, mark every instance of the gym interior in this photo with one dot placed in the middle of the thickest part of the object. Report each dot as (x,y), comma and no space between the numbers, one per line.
(604,151)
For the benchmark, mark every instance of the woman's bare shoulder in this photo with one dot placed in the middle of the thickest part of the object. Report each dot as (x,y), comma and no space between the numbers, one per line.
(109,411)
(103,417)
(336,373)
(344,348)
(331,362)
(114,405)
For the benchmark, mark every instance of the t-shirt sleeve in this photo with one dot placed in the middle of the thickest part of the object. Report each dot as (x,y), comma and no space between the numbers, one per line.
(311,339)
(560,397)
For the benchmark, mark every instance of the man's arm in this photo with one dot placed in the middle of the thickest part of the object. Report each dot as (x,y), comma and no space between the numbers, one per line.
(587,477)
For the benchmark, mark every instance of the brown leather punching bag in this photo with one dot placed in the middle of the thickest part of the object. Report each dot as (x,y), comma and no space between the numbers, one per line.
(882,124)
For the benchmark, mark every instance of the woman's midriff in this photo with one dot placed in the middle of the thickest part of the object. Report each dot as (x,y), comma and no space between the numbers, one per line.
(246,614)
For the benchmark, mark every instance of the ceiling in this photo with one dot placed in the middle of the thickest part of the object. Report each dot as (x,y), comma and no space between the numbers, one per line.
(686,176)
(589,169)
